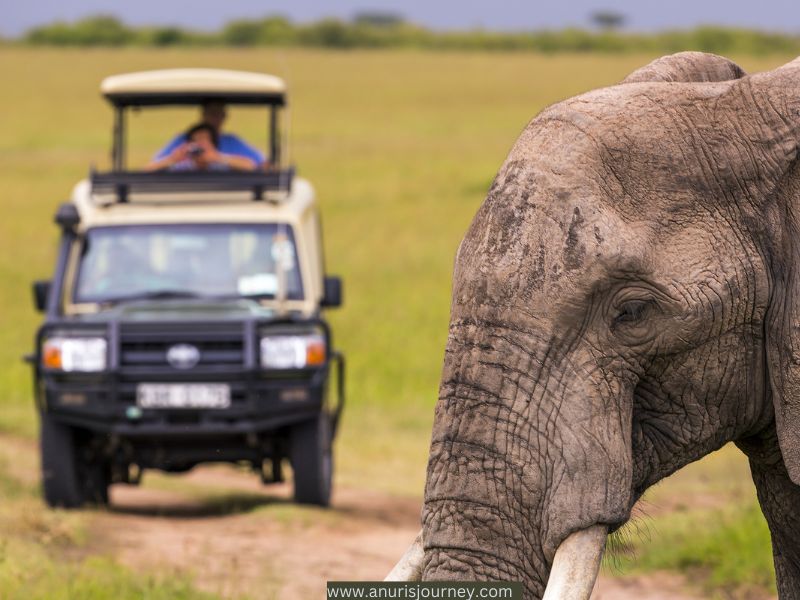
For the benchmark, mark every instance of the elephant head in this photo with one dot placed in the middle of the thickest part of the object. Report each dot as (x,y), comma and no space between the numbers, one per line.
(624,302)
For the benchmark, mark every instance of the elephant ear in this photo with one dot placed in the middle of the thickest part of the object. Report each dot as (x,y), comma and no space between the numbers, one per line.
(783,326)
(687,67)
(777,96)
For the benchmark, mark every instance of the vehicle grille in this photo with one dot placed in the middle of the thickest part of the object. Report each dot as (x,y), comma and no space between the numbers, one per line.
(146,345)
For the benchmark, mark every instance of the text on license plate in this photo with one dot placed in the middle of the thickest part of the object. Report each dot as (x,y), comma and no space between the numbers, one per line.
(183,395)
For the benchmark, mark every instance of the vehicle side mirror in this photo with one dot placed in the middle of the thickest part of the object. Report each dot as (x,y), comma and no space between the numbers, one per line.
(67,216)
(333,292)
(41,291)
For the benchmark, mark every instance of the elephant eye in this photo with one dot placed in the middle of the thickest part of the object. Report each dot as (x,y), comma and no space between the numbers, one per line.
(632,312)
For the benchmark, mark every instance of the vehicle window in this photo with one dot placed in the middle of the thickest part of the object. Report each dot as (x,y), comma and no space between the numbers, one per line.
(225,260)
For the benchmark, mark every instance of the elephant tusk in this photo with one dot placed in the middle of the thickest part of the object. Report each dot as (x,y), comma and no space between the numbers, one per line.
(409,568)
(576,564)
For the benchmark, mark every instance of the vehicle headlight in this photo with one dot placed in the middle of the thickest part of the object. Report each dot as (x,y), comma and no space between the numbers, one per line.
(86,354)
(292,351)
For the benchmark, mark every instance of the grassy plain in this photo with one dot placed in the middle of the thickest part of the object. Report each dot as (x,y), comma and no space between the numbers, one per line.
(401,146)
(44,554)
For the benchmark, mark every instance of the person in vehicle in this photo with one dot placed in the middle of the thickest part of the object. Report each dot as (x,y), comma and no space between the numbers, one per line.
(200,152)
(214,115)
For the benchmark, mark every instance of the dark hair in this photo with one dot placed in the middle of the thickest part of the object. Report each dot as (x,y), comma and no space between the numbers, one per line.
(203,127)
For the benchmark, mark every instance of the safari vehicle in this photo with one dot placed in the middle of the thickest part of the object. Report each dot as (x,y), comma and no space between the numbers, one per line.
(184,321)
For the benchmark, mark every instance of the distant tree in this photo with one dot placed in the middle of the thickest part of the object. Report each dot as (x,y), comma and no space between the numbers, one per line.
(378,18)
(607,19)
(376,29)
(242,33)
(99,30)
(278,30)
(271,30)
(328,33)
(167,36)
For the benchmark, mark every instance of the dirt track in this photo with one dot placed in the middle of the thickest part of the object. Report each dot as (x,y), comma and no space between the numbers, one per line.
(244,540)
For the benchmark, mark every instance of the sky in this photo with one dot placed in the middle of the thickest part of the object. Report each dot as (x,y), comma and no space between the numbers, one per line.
(641,15)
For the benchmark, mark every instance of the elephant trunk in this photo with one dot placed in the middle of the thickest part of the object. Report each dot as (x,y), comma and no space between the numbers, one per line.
(474,527)
(572,576)
(530,458)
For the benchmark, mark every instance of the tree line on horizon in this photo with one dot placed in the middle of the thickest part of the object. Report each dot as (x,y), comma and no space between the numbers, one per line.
(388,31)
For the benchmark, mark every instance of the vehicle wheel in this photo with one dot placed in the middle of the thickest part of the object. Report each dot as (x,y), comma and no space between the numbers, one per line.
(60,473)
(68,480)
(311,455)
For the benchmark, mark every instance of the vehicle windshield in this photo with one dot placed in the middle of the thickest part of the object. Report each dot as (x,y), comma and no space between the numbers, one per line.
(176,261)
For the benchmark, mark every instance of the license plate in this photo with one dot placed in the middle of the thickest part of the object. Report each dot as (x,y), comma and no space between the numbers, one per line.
(183,395)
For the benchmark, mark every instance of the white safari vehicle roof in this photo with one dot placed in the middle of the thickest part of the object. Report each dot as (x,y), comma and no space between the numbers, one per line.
(182,83)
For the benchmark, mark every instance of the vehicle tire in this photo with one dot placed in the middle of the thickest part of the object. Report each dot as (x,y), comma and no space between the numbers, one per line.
(311,456)
(68,480)
(60,472)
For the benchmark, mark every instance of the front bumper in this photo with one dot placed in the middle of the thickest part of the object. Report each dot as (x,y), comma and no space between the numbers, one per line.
(107,404)
(261,401)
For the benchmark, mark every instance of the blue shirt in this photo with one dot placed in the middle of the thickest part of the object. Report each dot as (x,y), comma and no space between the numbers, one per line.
(228,144)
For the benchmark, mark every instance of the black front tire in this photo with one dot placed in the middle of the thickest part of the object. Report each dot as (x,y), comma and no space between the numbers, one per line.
(311,455)
(68,481)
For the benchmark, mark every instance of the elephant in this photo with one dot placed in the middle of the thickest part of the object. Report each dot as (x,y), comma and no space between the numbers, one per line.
(625,301)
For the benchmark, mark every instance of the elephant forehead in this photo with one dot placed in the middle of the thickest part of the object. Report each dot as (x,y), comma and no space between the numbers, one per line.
(554,248)
(596,181)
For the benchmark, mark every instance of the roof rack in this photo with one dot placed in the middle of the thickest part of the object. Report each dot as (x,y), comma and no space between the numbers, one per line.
(123,183)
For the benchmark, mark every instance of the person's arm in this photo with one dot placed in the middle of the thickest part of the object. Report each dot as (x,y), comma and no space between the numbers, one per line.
(233,145)
(232,161)
(177,155)
(237,163)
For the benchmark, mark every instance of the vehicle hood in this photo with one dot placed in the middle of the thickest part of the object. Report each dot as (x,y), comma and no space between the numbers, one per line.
(182,310)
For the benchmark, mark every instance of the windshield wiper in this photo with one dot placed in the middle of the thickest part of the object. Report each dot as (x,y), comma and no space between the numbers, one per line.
(158,295)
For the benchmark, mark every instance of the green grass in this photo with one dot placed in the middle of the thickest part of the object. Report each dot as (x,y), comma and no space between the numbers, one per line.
(726,552)
(732,544)
(401,147)
(44,555)
(27,572)
(705,522)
